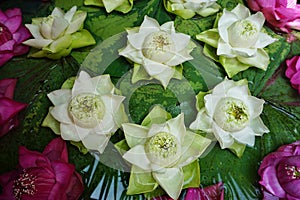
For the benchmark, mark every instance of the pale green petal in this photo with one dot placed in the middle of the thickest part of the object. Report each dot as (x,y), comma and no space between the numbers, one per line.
(59,45)
(58,27)
(77,22)
(140,182)
(52,123)
(224,138)
(70,132)
(264,40)
(103,84)
(200,100)
(202,122)
(233,66)
(204,12)
(61,113)
(245,136)
(58,55)
(185,13)
(210,37)
(135,134)
(171,180)
(261,60)
(139,73)
(37,43)
(241,11)
(94,3)
(258,126)
(111,5)
(125,7)
(177,127)
(238,149)
(82,38)
(157,115)
(58,97)
(137,156)
(193,147)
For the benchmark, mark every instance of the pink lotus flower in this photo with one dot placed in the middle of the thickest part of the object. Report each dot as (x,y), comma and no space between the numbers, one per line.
(215,192)
(12,34)
(8,107)
(293,72)
(43,176)
(280,173)
(281,14)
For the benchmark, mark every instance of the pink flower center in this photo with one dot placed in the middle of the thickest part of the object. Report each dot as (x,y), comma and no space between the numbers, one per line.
(293,172)
(24,184)
(5,34)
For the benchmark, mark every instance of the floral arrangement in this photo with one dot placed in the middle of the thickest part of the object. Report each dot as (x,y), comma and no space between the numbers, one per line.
(160,99)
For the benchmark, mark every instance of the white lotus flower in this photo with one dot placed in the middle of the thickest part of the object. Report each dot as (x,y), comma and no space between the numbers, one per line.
(189,8)
(90,112)
(231,114)
(241,36)
(163,149)
(56,35)
(157,49)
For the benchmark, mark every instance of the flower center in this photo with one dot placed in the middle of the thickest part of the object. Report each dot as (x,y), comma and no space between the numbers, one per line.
(293,172)
(231,114)
(163,149)
(5,34)
(86,110)
(24,184)
(158,46)
(243,33)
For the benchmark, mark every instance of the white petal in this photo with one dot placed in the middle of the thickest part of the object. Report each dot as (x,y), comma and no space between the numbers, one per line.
(244,52)
(258,19)
(157,128)
(61,96)
(132,53)
(112,102)
(58,27)
(37,43)
(95,141)
(137,156)
(177,127)
(149,25)
(211,102)
(57,12)
(225,49)
(245,136)
(135,134)
(46,30)
(83,84)
(225,21)
(223,87)
(69,132)
(241,11)
(258,126)
(239,92)
(202,122)
(171,180)
(70,13)
(168,27)
(224,138)
(255,106)
(137,39)
(264,40)
(34,30)
(61,113)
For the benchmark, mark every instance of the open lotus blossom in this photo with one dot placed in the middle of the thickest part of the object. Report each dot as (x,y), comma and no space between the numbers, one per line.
(189,8)
(239,40)
(158,154)
(293,71)
(90,112)
(12,34)
(56,35)
(283,15)
(158,49)
(280,173)
(8,107)
(47,175)
(123,6)
(231,114)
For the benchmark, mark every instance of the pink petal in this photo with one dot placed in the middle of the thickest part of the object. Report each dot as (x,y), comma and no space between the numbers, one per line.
(76,187)
(13,12)
(29,159)
(8,46)
(13,23)
(7,181)
(21,49)
(56,150)
(22,35)
(7,87)
(211,192)
(5,57)
(3,17)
